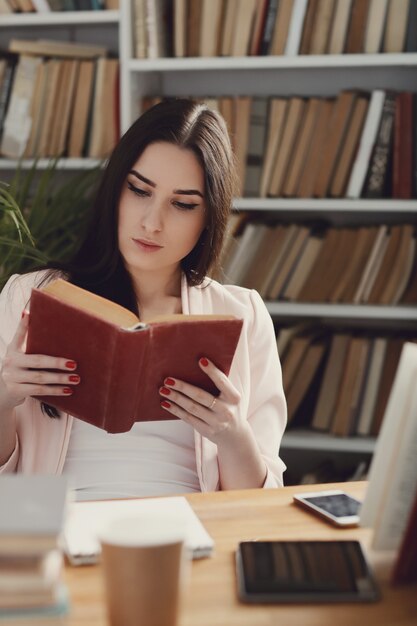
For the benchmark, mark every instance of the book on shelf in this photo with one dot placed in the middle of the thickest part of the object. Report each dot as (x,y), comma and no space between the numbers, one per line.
(367,409)
(211,15)
(282,27)
(357,26)
(300,151)
(338,181)
(8,62)
(379,171)
(392,357)
(256,146)
(375,25)
(339,28)
(402,174)
(331,382)
(123,362)
(17,122)
(367,141)
(294,117)
(321,27)
(242,28)
(343,423)
(49,47)
(392,488)
(396,26)
(275,128)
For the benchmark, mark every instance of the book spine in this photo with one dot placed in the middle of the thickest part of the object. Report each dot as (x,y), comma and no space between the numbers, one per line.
(402,166)
(377,176)
(5,91)
(269,27)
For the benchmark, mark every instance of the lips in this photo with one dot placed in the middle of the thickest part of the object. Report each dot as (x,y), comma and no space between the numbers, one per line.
(147,245)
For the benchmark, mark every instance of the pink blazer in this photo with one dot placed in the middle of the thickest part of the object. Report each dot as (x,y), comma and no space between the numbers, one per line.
(42,442)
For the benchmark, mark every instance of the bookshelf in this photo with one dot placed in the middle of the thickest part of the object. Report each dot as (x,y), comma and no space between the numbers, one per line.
(303,75)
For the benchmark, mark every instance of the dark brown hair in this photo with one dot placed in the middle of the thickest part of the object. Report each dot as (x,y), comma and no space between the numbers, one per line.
(98,265)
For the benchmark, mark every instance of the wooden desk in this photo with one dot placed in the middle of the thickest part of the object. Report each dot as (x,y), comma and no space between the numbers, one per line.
(210,598)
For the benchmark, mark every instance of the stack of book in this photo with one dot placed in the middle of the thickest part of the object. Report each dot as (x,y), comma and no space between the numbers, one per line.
(46,6)
(31,587)
(192,28)
(303,263)
(354,145)
(338,382)
(58,99)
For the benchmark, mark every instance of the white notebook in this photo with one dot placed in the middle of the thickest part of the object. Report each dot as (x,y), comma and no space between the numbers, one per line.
(86,519)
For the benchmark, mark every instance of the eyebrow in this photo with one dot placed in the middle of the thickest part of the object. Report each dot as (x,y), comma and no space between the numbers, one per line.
(182,192)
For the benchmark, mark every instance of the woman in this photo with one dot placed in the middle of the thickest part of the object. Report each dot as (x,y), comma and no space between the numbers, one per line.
(156,231)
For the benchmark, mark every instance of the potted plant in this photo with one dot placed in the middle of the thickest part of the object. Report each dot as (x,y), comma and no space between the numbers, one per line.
(42,216)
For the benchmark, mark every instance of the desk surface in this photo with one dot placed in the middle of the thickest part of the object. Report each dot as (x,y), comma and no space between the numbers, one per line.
(210,598)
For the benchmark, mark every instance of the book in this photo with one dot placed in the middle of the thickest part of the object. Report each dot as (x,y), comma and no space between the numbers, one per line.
(339,180)
(389,369)
(288,263)
(309,173)
(375,26)
(140,34)
(350,279)
(86,519)
(282,25)
(242,120)
(402,172)
(321,29)
(211,14)
(337,130)
(369,271)
(295,29)
(261,12)
(305,375)
(121,361)
(296,108)
(47,47)
(268,31)
(309,20)
(379,346)
(242,28)
(377,177)
(396,26)
(256,146)
(81,108)
(229,21)
(368,138)
(411,37)
(405,566)
(32,521)
(384,272)
(330,385)
(180,28)
(399,273)
(276,123)
(357,26)
(339,28)
(393,477)
(283,245)
(301,270)
(18,122)
(344,419)
(301,149)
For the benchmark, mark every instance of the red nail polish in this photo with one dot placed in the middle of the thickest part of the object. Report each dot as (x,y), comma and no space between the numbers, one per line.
(74,378)
(24,313)
(67,391)
(164,391)
(204,362)
(71,365)
(169,381)
(166,405)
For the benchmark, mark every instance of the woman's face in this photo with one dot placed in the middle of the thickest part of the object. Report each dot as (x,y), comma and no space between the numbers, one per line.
(161,209)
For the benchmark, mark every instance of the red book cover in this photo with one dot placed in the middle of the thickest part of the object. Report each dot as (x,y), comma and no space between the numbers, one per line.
(402,183)
(123,365)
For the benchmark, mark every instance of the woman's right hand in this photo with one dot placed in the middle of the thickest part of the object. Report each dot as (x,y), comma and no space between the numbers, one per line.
(23,375)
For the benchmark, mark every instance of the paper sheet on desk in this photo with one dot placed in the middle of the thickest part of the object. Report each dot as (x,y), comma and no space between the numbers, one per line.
(86,519)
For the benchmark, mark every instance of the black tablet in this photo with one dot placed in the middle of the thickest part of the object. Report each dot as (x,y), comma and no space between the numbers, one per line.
(304,571)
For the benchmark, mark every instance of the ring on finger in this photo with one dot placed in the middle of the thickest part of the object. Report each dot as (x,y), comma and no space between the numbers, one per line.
(211,407)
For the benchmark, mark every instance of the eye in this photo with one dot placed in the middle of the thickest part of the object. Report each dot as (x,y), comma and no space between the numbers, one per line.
(185,207)
(137,190)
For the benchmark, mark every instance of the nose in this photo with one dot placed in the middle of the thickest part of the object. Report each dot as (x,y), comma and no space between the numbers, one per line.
(152,218)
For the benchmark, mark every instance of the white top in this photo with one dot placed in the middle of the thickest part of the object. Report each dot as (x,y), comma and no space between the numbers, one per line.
(152,459)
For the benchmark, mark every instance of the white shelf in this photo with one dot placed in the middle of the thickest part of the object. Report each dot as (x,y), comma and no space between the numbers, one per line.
(63,164)
(310,440)
(326,204)
(324,61)
(59,18)
(343,311)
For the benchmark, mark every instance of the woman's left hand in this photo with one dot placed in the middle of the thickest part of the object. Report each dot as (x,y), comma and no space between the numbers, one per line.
(214,417)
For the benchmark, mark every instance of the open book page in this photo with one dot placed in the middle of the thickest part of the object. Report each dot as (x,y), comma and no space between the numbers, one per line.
(393,475)
(86,519)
